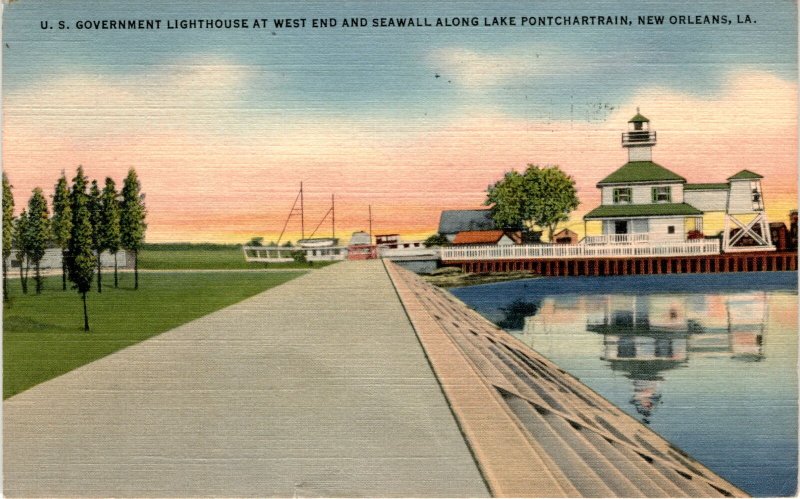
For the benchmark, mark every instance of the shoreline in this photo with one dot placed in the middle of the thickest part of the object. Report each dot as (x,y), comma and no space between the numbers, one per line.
(457,280)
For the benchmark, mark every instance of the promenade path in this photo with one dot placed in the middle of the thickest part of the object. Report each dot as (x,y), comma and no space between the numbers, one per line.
(318,387)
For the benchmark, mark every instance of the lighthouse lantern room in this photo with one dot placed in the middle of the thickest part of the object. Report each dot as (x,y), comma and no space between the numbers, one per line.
(639,140)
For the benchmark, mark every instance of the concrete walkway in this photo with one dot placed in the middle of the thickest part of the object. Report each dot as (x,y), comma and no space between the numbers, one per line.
(318,387)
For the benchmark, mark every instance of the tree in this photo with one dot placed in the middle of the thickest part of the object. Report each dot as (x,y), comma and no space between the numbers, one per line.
(38,233)
(8,230)
(96,217)
(21,243)
(61,223)
(109,208)
(131,223)
(436,240)
(80,257)
(539,197)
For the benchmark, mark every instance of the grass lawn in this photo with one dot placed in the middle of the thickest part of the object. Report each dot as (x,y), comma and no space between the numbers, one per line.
(43,335)
(189,257)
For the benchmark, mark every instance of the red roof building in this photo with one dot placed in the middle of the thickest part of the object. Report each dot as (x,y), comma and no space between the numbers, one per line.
(498,237)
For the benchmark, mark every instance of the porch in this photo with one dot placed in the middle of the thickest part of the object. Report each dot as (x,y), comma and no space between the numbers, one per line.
(610,246)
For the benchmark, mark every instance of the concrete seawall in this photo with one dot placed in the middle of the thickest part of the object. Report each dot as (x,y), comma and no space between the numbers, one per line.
(534,429)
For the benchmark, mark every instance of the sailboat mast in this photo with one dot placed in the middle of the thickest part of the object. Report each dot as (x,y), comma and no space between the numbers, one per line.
(370,224)
(302,215)
(333,218)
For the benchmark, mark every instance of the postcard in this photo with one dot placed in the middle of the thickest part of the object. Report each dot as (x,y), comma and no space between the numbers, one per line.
(399,249)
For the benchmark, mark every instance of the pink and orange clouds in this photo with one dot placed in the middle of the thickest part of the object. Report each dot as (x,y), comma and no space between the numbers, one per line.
(215,172)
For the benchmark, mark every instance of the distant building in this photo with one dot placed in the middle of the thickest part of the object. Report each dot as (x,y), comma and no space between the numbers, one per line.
(452,222)
(387,240)
(780,235)
(565,236)
(497,237)
(52,259)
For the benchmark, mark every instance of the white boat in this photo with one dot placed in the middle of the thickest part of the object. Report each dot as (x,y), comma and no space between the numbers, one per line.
(318,242)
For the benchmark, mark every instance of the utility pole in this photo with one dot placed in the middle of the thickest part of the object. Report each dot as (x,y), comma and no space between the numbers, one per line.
(370,224)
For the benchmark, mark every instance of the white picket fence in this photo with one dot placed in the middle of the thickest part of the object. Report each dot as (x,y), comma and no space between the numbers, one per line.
(581,250)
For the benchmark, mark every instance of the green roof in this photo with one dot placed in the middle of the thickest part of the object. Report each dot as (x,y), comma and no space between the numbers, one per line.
(706,187)
(641,171)
(745,175)
(642,210)
(638,119)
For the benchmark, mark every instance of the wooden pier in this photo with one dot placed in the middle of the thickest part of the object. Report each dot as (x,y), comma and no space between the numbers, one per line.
(606,266)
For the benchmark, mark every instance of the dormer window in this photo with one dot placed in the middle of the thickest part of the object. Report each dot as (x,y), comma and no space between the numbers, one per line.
(622,195)
(662,194)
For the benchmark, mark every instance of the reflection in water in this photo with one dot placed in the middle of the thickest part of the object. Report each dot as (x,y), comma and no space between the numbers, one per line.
(645,336)
(514,314)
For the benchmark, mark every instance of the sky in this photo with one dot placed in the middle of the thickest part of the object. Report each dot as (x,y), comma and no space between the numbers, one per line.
(223,125)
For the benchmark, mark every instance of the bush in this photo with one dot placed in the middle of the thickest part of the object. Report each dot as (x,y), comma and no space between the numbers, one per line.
(447,271)
(694,234)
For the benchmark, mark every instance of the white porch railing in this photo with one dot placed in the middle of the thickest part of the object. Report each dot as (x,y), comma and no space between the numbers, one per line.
(665,248)
(643,238)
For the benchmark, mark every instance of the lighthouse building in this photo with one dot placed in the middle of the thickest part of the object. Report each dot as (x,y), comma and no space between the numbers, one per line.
(644,202)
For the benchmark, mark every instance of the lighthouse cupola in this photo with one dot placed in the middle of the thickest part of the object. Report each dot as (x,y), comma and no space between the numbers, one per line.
(639,139)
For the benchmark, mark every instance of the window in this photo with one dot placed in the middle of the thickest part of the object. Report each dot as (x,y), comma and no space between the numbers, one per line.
(622,195)
(755,188)
(662,194)
(670,229)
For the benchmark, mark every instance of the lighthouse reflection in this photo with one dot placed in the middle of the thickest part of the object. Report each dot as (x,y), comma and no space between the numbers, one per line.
(644,337)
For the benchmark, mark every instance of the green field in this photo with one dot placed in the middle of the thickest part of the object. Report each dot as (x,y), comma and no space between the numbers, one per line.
(43,335)
(205,256)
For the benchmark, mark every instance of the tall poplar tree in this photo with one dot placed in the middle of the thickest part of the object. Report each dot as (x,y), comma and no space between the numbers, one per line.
(38,229)
(132,215)
(110,210)
(21,244)
(80,257)
(8,230)
(61,222)
(96,216)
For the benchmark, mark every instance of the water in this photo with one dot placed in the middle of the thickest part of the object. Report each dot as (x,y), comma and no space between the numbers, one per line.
(709,362)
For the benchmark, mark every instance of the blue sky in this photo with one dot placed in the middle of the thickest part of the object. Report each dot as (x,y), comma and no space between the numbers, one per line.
(342,70)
